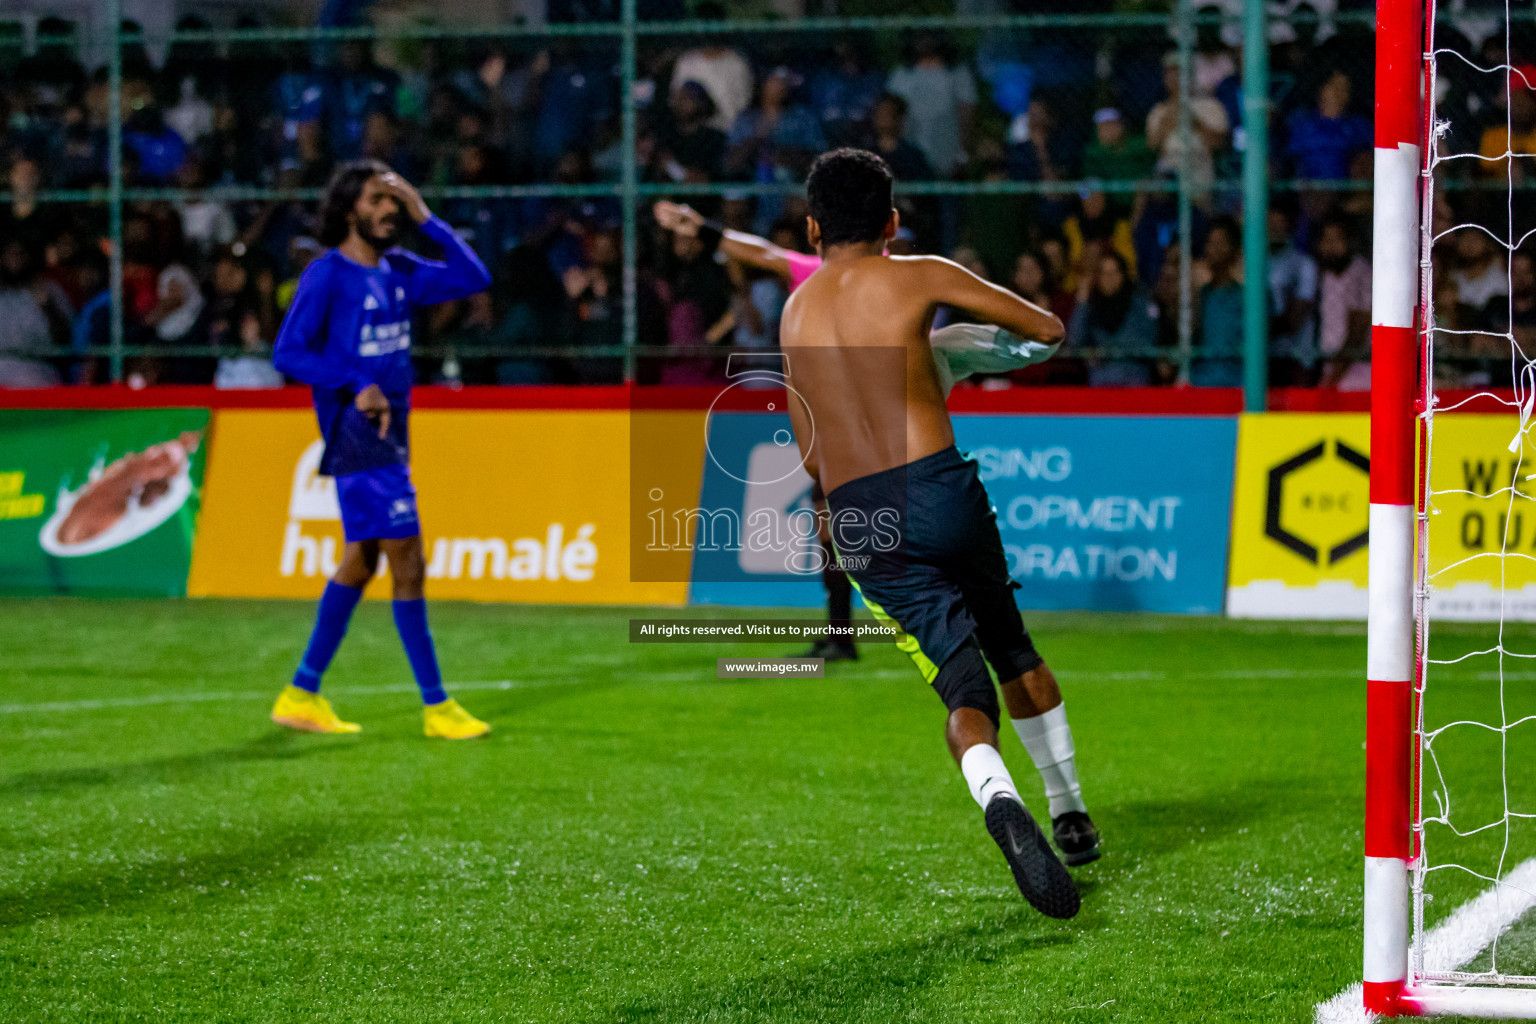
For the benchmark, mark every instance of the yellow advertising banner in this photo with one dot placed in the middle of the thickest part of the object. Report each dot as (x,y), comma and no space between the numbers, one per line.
(1481,562)
(1300,517)
(516,505)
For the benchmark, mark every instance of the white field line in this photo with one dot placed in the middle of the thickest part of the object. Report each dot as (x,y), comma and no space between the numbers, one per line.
(152,699)
(1454,942)
(1074,675)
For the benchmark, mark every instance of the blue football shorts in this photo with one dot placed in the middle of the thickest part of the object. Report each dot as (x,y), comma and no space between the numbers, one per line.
(378,504)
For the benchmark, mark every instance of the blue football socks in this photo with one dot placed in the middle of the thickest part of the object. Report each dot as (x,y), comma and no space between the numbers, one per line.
(336,606)
(411,621)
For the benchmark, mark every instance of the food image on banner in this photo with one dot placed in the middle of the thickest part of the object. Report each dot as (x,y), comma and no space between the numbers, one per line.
(516,505)
(95,501)
(1482,522)
(1300,517)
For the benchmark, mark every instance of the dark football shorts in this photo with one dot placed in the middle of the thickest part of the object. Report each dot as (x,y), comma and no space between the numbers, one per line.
(920,541)
(378,504)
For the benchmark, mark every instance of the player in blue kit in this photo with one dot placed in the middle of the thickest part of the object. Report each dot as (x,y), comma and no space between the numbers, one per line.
(348,336)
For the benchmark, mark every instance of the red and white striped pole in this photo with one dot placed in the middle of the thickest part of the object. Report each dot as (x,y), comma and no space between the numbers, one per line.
(1390,643)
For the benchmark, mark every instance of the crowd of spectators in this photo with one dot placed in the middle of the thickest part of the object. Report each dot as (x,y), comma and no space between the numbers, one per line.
(207,278)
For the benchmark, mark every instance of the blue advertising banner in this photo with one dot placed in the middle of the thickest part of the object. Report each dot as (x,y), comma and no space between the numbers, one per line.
(1106,513)
(1111,513)
(752,476)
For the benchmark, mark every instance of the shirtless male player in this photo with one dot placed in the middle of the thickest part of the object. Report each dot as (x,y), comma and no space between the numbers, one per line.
(875,434)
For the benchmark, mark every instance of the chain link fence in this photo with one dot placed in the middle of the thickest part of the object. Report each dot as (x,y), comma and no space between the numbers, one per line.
(160,203)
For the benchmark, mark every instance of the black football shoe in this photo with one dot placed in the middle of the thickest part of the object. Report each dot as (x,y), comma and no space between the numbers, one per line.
(1040,876)
(1076,838)
(833,650)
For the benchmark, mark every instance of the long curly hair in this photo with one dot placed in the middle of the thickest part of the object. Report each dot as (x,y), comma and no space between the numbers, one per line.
(341,196)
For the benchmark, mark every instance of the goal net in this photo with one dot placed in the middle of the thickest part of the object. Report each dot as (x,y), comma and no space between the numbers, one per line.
(1450,829)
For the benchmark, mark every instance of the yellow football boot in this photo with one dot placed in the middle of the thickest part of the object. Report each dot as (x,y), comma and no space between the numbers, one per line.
(450,722)
(300,709)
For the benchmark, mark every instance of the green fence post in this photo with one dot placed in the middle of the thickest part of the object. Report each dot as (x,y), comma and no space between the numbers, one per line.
(1255,207)
(1186,170)
(115,179)
(629,185)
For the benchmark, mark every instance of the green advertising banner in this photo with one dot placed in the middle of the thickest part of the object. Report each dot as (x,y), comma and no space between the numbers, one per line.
(99,501)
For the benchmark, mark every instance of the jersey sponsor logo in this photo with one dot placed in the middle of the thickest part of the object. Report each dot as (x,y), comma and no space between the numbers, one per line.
(384,339)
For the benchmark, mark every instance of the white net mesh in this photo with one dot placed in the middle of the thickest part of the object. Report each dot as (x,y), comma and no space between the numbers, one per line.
(1475,813)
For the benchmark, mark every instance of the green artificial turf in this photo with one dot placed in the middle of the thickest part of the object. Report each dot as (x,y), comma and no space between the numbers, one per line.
(639,841)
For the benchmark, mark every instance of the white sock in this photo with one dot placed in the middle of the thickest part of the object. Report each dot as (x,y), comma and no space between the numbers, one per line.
(1048,739)
(986,774)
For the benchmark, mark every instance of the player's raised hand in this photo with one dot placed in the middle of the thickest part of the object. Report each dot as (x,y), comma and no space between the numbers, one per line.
(408,196)
(373,403)
(678,218)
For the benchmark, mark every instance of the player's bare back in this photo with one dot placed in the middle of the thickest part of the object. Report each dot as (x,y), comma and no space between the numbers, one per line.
(857,337)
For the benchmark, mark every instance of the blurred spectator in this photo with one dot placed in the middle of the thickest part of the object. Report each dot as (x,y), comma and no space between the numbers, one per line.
(1094,230)
(1516,135)
(997,227)
(302,251)
(1480,276)
(382,141)
(509,92)
(1032,279)
(844,93)
(192,116)
(688,148)
(158,151)
(941,101)
(34,319)
(1344,309)
(1061,274)
(235,321)
(1037,151)
(1116,153)
(573,96)
(699,314)
(1292,303)
(725,74)
(1209,131)
(176,319)
(92,327)
(206,224)
(595,290)
(1118,319)
(352,90)
(887,136)
(776,138)
(1517,317)
(1323,140)
(1218,349)
(529,316)
(757,306)
(1156,231)
(25,218)
(1212,61)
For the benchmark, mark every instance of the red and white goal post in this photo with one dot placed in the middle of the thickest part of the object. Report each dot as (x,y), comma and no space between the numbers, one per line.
(1397,982)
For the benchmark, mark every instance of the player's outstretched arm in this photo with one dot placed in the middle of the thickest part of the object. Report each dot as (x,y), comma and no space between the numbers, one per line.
(950,284)
(738,245)
(459,274)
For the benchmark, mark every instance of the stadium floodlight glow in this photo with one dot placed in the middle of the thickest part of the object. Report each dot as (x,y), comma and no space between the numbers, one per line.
(1400,979)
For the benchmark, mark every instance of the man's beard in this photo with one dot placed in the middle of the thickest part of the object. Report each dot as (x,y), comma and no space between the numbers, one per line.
(379,235)
(1334,264)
